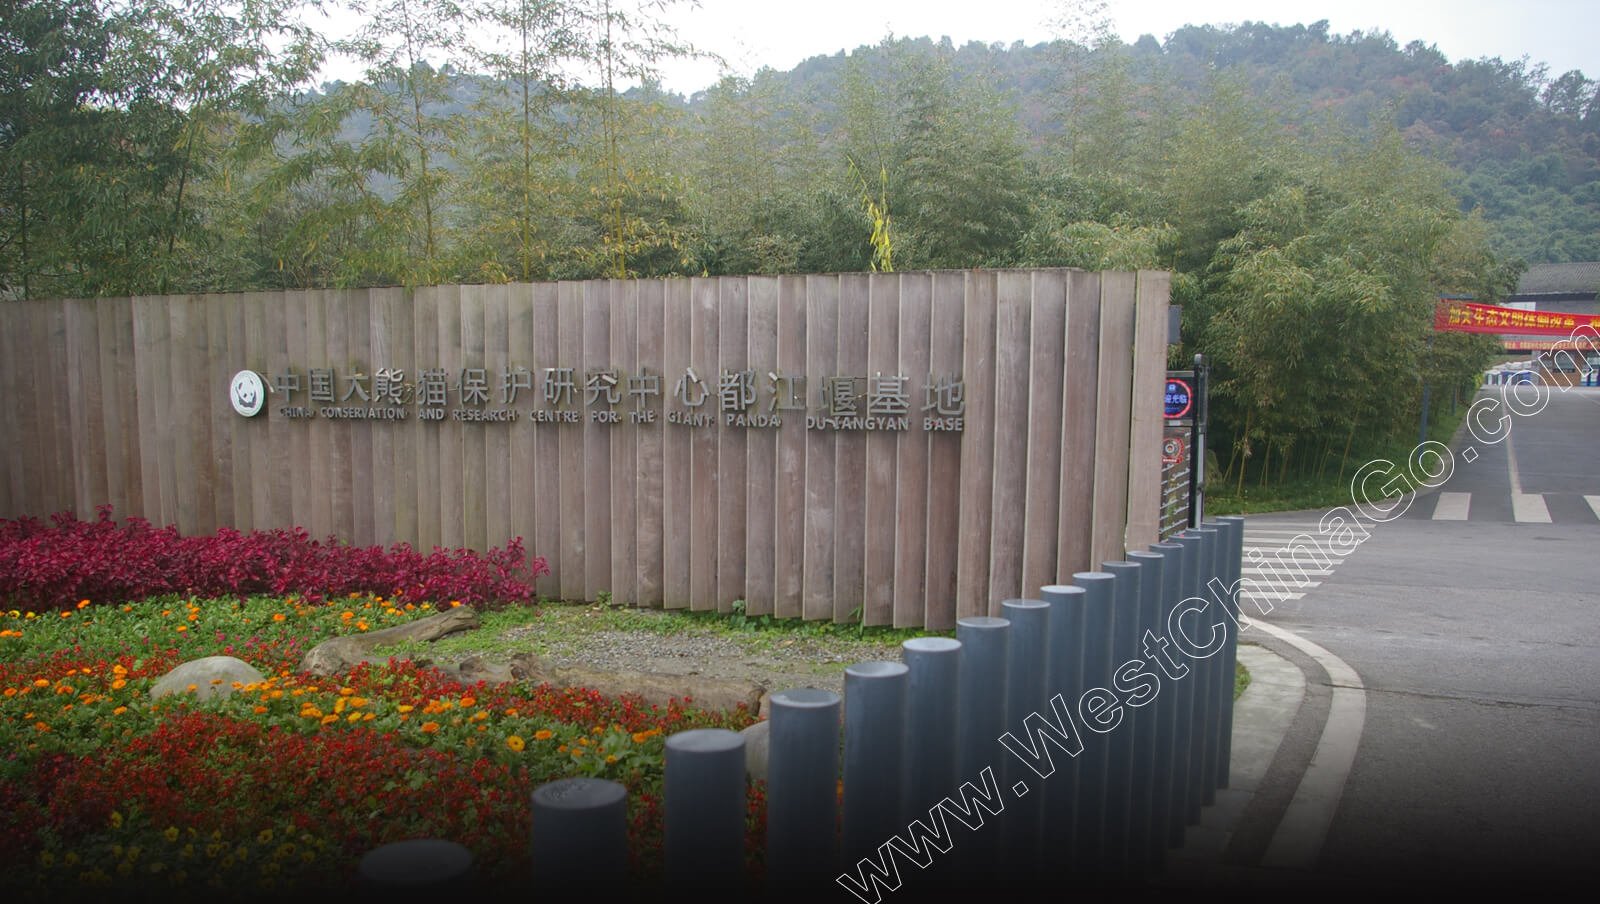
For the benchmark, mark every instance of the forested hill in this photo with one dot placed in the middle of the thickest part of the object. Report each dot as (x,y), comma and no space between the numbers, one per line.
(1525,142)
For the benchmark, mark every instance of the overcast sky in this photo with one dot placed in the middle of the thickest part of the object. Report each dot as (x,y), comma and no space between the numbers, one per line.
(1565,34)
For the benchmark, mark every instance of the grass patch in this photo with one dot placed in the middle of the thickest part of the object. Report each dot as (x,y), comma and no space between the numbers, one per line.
(1241,679)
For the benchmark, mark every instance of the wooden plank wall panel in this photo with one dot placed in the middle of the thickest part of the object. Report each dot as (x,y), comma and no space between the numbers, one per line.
(128,385)
(59,425)
(702,534)
(496,476)
(239,428)
(297,313)
(1082,381)
(1149,379)
(521,446)
(977,447)
(677,453)
(425,437)
(570,354)
(1013,311)
(822,355)
(762,451)
(1043,493)
(649,459)
(451,466)
(850,462)
(13,411)
(945,361)
(112,392)
(879,525)
(334,466)
(162,422)
(83,400)
(1111,433)
(789,499)
(27,349)
(623,438)
(384,350)
(732,445)
(216,408)
(474,436)
(547,482)
(315,473)
(911,453)
(355,514)
(595,473)
(275,477)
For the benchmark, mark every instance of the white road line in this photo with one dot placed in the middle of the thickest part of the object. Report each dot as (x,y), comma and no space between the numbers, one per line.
(1297,842)
(1270,596)
(1511,467)
(1594,503)
(1529,508)
(1298,569)
(1452,507)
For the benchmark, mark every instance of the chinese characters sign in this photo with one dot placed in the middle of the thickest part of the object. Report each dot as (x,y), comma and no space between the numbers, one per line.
(749,398)
(1452,315)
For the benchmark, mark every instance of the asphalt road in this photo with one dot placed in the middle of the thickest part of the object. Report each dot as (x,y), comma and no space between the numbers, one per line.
(1477,636)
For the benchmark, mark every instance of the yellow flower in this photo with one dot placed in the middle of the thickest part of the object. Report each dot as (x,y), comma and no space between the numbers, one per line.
(116,819)
(405,707)
(611,758)
(171,834)
(515,743)
(264,836)
(353,717)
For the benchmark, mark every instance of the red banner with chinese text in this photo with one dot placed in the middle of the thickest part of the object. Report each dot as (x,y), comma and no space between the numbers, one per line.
(1467,317)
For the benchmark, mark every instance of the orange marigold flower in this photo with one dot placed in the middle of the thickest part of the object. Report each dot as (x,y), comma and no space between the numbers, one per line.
(119,710)
(577,751)
(469,701)
(41,682)
(368,717)
(430,727)
(193,687)
(67,614)
(183,627)
(40,726)
(329,719)
(455,604)
(405,707)
(353,717)
(11,692)
(258,710)
(640,737)
(611,758)
(361,626)
(119,684)
(543,734)
(279,616)
(83,604)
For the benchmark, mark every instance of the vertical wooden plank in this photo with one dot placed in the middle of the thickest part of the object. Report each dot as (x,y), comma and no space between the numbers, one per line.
(595,471)
(170,455)
(623,436)
(1111,416)
(384,349)
(16,411)
(474,444)
(703,362)
(355,510)
(880,525)
(545,335)
(945,363)
(316,472)
(496,434)
(650,431)
(570,356)
(732,443)
(426,435)
(240,435)
(58,424)
(452,466)
(27,348)
(911,453)
(270,495)
(218,355)
(677,457)
(977,446)
(148,334)
(850,451)
(112,391)
(1013,309)
(789,499)
(301,464)
(523,500)
(1149,379)
(128,394)
(83,404)
(822,356)
(761,450)
(1042,495)
(335,353)
(1078,418)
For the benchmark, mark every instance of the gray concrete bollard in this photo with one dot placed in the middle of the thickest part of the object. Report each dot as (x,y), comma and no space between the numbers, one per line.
(802,787)
(1090,848)
(930,744)
(874,744)
(1124,740)
(1026,664)
(420,865)
(1232,561)
(705,808)
(1153,758)
(1210,543)
(1177,709)
(980,713)
(1064,677)
(580,833)
(1194,738)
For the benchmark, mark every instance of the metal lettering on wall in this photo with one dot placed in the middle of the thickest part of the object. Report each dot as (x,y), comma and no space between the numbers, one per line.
(747,398)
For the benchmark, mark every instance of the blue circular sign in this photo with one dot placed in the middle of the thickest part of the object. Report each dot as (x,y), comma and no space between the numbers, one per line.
(1179,399)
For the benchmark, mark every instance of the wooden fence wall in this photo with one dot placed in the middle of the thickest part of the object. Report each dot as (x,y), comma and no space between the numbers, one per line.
(125,401)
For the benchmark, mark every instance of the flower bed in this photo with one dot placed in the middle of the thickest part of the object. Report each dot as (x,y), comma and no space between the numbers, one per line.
(285,783)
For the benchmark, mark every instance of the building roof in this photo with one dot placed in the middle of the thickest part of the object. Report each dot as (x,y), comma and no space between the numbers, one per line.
(1582,277)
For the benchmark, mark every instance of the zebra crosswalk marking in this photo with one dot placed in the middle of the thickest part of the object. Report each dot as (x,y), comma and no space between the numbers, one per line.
(1452,507)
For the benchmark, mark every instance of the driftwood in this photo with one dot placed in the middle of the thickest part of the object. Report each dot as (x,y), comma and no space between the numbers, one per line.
(333,656)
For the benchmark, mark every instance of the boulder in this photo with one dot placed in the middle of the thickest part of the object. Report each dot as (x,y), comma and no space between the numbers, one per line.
(213,676)
(333,656)
(755,749)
